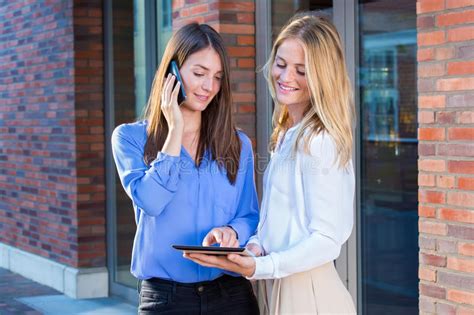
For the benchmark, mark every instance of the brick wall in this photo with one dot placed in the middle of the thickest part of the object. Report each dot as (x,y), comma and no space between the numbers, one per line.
(51,130)
(446,155)
(235,21)
(89,130)
(37,141)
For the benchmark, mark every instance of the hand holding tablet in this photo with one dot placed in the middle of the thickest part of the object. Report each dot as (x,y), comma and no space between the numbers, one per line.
(213,250)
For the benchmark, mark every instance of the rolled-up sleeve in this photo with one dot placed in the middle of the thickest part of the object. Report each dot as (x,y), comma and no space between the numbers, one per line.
(152,187)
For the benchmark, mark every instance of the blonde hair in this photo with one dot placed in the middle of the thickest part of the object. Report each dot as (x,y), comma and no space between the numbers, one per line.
(331,99)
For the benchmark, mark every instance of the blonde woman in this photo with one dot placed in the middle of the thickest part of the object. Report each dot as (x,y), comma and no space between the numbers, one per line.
(307,206)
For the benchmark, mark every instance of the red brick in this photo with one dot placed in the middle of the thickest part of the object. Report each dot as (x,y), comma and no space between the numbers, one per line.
(460,100)
(462,199)
(461,232)
(246,87)
(425,211)
(425,6)
(432,260)
(461,68)
(245,40)
(243,97)
(246,63)
(461,34)
(466,249)
(199,9)
(445,117)
(431,227)
(464,310)
(248,6)
(426,85)
(455,84)
(454,279)
(462,150)
(246,108)
(427,242)
(431,134)
(445,181)
(241,51)
(425,117)
(459,215)
(427,274)
(465,117)
(432,101)
(461,134)
(452,4)
(446,247)
(427,196)
(424,22)
(426,180)
(427,305)
(236,29)
(432,291)
(461,167)
(459,296)
(246,18)
(431,38)
(465,51)
(431,70)
(425,54)
(426,149)
(466,183)
(463,17)
(445,309)
(432,165)
(443,53)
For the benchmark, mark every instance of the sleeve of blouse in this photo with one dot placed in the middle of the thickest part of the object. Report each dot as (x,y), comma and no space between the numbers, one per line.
(329,201)
(150,188)
(254,240)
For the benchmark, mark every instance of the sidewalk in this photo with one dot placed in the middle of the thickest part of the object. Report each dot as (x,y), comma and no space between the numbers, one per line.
(19,295)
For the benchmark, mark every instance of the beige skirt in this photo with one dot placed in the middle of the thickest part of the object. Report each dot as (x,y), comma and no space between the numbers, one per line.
(318,291)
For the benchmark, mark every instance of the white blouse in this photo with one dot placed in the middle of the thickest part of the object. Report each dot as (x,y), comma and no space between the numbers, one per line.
(307,208)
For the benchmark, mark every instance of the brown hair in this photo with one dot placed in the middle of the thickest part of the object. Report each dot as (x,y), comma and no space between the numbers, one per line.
(218,132)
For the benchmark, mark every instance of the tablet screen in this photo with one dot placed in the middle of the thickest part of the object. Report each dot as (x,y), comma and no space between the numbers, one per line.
(213,250)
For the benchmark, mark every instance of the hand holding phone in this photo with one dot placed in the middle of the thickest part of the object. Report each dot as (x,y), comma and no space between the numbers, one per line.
(173,69)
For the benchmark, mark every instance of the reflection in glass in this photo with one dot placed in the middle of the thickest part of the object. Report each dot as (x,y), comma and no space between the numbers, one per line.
(283,10)
(132,69)
(164,13)
(126,77)
(139,50)
(387,79)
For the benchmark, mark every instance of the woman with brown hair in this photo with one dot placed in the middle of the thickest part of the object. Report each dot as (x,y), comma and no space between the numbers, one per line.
(189,173)
(307,204)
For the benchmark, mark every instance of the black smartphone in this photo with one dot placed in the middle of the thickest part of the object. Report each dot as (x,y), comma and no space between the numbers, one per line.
(173,69)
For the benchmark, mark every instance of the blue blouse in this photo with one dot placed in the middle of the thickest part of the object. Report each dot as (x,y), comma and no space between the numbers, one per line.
(177,203)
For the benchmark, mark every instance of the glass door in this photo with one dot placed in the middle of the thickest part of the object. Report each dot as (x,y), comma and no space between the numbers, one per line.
(388,217)
(380,260)
(136,34)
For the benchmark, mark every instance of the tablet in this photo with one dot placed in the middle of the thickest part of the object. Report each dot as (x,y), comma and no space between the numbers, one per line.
(213,250)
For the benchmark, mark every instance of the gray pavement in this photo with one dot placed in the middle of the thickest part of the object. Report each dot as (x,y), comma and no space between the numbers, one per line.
(19,295)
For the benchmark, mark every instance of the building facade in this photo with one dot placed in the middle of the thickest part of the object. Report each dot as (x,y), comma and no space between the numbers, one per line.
(72,70)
